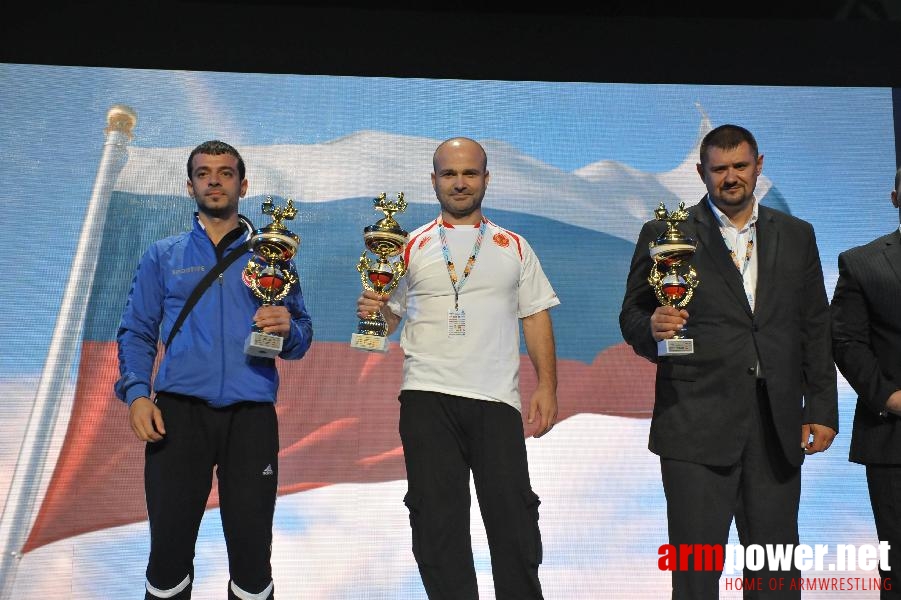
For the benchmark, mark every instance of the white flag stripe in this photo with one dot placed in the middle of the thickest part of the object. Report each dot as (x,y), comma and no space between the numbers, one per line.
(606,196)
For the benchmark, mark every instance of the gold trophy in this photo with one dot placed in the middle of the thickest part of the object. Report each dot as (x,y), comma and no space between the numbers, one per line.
(673,284)
(270,273)
(385,239)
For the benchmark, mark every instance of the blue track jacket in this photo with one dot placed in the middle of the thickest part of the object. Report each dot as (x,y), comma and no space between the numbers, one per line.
(206,359)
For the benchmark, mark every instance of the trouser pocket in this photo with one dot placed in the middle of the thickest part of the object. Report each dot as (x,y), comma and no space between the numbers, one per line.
(533,547)
(414,505)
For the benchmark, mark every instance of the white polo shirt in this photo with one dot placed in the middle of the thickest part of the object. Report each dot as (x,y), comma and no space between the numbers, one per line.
(506,283)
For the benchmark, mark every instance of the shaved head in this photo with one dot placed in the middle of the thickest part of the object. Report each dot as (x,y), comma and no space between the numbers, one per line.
(456,143)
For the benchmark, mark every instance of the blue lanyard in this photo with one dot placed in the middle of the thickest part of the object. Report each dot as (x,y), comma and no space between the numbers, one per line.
(451,270)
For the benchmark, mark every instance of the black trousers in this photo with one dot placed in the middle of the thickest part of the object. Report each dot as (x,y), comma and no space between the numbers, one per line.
(444,438)
(241,443)
(761,492)
(884,484)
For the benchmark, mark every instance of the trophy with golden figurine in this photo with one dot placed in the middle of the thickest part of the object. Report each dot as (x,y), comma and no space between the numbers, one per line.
(386,240)
(672,278)
(270,273)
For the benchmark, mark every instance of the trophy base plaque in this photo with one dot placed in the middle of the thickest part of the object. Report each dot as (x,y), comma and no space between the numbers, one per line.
(266,345)
(369,342)
(675,347)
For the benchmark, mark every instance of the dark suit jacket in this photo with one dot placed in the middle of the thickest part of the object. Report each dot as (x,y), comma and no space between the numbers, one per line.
(704,401)
(866,321)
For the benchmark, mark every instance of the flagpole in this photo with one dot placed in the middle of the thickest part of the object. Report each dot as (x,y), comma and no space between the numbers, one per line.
(22,500)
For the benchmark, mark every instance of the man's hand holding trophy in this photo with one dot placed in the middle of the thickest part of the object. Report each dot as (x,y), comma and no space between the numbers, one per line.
(385,239)
(270,273)
(672,278)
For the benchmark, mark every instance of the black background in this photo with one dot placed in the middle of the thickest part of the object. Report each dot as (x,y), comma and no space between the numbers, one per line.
(793,42)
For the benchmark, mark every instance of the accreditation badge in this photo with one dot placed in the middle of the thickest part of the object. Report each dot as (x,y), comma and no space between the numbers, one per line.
(456,322)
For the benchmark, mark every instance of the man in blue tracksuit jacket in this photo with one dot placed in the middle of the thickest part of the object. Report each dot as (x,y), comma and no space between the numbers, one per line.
(212,406)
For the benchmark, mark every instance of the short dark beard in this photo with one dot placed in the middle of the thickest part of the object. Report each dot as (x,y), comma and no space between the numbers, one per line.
(215,213)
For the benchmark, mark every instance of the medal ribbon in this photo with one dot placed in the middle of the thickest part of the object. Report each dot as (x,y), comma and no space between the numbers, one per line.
(451,270)
(748,250)
(743,266)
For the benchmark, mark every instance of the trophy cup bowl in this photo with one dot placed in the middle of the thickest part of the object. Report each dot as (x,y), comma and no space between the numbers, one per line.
(270,273)
(672,278)
(385,239)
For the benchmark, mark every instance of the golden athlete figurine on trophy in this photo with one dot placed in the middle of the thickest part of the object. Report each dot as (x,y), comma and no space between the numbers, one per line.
(270,273)
(386,240)
(673,284)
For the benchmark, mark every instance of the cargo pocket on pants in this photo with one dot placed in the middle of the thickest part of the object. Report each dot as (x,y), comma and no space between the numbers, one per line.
(533,546)
(413,505)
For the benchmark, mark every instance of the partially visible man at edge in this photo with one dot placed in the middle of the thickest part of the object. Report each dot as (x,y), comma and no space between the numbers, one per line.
(866,334)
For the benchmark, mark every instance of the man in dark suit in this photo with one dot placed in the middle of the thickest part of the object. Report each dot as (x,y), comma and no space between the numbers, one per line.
(734,419)
(866,334)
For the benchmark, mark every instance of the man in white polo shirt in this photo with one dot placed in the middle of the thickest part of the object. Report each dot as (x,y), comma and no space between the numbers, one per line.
(468,285)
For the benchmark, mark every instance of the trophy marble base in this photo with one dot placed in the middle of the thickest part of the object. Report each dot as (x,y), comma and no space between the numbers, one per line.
(266,345)
(675,347)
(369,342)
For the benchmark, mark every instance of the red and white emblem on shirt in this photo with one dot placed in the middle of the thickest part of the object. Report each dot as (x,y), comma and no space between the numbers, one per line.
(501,240)
(425,240)
(248,275)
